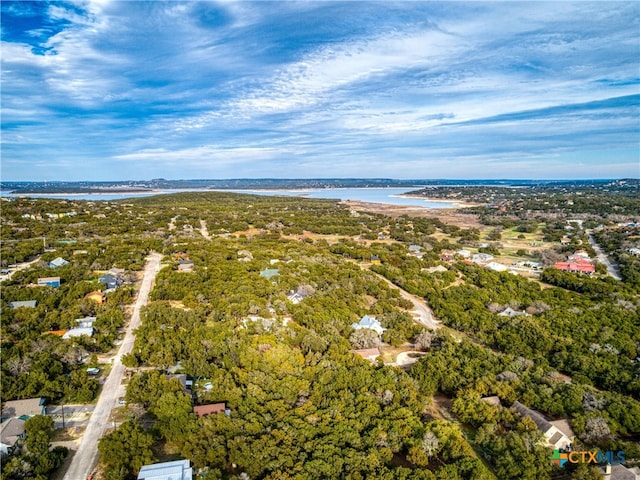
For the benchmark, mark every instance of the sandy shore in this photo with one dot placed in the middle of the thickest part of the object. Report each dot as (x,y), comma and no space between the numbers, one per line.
(457,203)
(451,216)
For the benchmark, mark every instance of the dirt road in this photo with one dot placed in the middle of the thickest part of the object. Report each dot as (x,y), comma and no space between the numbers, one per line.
(424,315)
(86,457)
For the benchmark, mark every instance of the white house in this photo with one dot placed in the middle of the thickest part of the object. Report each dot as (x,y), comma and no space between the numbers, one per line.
(482,258)
(369,322)
(78,332)
(86,322)
(58,262)
(178,470)
(558,434)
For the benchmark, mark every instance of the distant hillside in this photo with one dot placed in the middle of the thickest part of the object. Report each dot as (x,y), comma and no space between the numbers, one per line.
(273,184)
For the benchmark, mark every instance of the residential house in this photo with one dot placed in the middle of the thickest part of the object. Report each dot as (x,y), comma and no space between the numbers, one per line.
(117,272)
(182,378)
(58,262)
(447,255)
(463,253)
(558,434)
(375,260)
(86,322)
(24,304)
(579,254)
(96,296)
(482,258)
(493,400)
(510,312)
(111,281)
(370,354)
(49,282)
(176,470)
(581,267)
(11,432)
(204,410)
(27,407)
(185,265)
(634,251)
(269,273)
(496,267)
(295,297)
(619,472)
(78,332)
(245,256)
(369,322)
(436,269)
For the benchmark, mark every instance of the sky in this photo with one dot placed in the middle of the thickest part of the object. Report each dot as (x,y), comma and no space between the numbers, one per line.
(132,90)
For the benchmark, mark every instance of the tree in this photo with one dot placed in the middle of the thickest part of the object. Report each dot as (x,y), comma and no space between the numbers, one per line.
(39,431)
(424,339)
(586,472)
(364,338)
(125,450)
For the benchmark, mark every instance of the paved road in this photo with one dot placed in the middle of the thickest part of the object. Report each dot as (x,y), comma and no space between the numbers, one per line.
(612,270)
(86,457)
(17,268)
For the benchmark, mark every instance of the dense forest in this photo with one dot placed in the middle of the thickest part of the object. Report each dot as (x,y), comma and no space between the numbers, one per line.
(300,403)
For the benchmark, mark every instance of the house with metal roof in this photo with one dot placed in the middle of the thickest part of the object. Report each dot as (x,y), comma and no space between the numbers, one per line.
(58,262)
(177,470)
(369,322)
(24,304)
(86,322)
(78,332)
(49,282)
(269,273)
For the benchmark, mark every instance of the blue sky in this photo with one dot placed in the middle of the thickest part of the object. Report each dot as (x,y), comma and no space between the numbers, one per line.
(116,90)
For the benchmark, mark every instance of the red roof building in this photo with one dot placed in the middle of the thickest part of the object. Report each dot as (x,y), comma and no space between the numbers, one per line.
(204,410)
(576,266)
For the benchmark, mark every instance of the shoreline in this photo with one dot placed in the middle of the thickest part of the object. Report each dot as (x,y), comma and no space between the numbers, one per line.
(458,203)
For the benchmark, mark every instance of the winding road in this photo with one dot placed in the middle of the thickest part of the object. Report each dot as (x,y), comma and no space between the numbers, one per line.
(424,314)
(86,457)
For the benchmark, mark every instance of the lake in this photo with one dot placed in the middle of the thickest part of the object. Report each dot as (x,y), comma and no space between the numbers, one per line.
(389,196)
(386,195)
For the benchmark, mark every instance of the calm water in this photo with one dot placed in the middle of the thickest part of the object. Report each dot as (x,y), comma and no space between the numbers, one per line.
(389,196)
